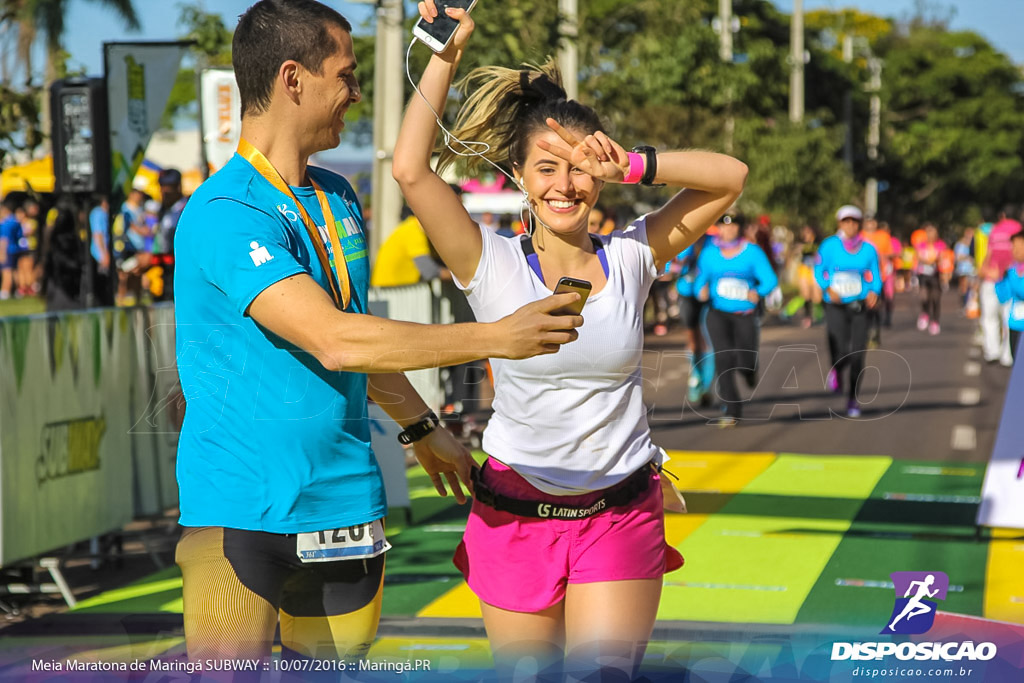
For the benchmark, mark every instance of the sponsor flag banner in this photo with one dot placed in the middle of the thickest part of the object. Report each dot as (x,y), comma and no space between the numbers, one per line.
(221,120)
(140,77)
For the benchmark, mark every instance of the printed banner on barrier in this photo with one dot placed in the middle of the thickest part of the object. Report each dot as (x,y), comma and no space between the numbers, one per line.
(65,464)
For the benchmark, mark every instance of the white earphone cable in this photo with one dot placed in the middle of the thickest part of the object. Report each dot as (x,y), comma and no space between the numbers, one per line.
(472,148)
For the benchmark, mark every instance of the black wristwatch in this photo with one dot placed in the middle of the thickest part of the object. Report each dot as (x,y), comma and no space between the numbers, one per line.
(651,165)
(418,430)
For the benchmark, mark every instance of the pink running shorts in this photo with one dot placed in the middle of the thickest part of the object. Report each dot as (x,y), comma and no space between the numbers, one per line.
(523,564)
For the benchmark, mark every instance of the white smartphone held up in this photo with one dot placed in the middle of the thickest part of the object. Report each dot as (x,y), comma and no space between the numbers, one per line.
(438,34)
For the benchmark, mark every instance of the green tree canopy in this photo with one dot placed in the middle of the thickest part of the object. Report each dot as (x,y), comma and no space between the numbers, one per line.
(953,144)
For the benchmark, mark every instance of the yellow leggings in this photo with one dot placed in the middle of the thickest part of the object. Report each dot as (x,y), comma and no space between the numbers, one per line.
(237,584)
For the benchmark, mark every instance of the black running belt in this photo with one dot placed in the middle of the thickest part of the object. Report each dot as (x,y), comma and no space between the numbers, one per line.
(620,494)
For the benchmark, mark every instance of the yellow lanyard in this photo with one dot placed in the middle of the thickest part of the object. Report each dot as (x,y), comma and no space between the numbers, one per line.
(267,170)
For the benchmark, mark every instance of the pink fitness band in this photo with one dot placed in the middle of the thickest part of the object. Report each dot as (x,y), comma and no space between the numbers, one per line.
(636,168)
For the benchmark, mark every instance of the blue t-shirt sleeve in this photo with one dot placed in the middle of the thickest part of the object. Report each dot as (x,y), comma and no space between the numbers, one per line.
(767,280)
(1003,290)
(703,266)
(1015,285)
(98,222)
(248,250)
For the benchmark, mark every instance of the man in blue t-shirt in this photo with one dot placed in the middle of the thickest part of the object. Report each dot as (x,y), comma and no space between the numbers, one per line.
(99,249)
(280,494)
(10,238)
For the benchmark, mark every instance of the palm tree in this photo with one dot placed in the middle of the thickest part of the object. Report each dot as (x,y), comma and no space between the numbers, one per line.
(47,17)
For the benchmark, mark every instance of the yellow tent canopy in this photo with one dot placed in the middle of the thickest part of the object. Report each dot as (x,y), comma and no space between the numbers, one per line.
(38,174)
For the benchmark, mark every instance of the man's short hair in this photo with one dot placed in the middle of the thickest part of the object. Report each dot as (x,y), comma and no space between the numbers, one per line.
(272,32)
(169,177)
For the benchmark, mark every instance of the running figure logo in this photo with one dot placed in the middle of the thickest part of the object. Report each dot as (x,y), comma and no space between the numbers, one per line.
(914,612)
(259,255)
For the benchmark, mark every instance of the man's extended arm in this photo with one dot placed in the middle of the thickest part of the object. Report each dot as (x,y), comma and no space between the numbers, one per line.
(300,311)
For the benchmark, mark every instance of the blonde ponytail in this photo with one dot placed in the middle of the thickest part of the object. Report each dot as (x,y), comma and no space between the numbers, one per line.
(505,107)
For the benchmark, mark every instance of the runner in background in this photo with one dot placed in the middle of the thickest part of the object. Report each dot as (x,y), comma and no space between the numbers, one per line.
(882,242)
(1010,291)
(847,273)
(691,314)
(733,275)
(929,277)
(810,293)
(889,283)
(998,257)
(908,267)
(966,272)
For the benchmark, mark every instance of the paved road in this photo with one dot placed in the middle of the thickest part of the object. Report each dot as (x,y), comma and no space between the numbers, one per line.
(924,397)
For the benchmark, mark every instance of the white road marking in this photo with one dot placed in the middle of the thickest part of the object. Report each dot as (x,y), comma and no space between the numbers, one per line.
(964,438)
(970,396)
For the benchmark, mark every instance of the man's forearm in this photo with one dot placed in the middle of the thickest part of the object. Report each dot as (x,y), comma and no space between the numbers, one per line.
(365,343)
(395,394)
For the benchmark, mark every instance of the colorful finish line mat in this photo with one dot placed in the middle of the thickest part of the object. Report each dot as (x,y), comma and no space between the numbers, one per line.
(769,539)
(787,557)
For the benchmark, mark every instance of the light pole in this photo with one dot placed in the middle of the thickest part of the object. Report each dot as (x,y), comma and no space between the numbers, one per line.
(852,44)
(874,133)
(796,63)
(388,82)
(568,46)
(726,24)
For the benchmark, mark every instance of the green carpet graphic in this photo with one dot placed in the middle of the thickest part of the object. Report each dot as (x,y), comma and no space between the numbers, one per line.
(771,539)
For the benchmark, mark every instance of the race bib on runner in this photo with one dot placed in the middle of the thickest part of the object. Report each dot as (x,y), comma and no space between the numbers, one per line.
(358,542)
(732,288)
(847,284)
(1017,311)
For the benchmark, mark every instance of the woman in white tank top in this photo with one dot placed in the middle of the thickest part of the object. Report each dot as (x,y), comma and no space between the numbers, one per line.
(555,550)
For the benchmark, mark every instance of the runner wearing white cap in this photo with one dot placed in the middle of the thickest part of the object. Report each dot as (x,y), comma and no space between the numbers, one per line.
(848,274)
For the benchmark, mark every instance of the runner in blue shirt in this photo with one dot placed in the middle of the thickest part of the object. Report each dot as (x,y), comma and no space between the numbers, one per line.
(848,274)
(691,315)
(10,238)
(1010,290)
(734,275)
(280,493)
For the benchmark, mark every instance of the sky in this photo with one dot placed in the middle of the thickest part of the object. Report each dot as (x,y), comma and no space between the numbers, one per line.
(90,23)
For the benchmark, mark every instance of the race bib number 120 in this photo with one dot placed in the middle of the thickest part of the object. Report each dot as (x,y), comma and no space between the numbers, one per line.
(358,542)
